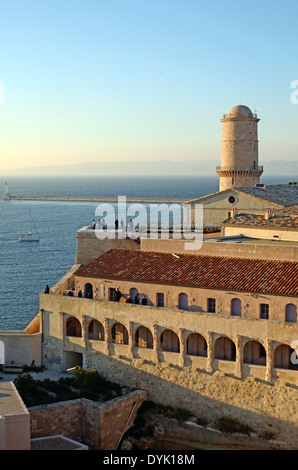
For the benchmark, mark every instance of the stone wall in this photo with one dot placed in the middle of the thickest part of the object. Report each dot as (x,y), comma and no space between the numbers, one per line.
(217,206)
(247,250)
(267,233)
(204,385)
(59,418)
(90,247)
(21,348)
(117,417)
(99,425)
(265,407)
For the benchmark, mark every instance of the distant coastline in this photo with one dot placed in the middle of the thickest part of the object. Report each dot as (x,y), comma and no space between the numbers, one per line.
(147,168)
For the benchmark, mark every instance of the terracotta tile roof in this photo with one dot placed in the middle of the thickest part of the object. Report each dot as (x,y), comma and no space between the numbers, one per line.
(58,442)
(209,272)
(283,219)
(290,210)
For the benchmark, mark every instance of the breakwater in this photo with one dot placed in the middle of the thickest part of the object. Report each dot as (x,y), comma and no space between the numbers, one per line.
(11,197)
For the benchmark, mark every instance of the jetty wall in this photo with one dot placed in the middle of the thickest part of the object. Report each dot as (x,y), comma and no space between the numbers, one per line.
(11,197)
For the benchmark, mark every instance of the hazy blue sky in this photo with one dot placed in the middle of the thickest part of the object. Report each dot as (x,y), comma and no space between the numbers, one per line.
(96,80)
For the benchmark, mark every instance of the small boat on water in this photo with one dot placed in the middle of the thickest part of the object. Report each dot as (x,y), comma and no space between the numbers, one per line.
(29,237)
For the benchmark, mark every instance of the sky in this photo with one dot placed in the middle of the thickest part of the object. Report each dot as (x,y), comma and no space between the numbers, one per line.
(118,80)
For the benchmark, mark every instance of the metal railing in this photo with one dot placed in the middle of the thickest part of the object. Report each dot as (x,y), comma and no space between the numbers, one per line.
(257,168)
(254,115)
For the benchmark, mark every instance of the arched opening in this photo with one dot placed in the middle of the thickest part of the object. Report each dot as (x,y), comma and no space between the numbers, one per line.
(291,313)
(88,291)
(133,292)
(183,301)
(2,353)
(254,353)
(236,307)
(224,348)
(72,359)
(143,338)
(96,330)
(73,327)
(196,345)
(119,334)
(169,341)
(285,357)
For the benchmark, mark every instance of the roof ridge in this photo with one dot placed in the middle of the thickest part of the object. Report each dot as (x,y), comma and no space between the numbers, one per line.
(191,255)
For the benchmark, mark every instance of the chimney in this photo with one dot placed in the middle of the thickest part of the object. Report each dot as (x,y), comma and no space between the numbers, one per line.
(268,214)
(234,212)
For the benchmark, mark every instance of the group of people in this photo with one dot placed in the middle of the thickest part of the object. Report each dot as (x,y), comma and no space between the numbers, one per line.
(129,300)
(101,224)
(136,300)
(117,296)
(131,230)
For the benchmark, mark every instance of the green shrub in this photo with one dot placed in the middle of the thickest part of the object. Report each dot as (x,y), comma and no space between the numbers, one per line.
(168,411)
(31,392)
(93,386)
(267,435)
(33,368)
(83,384)
(231,425)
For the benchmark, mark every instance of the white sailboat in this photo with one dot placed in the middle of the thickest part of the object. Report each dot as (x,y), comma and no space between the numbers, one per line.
(29,237)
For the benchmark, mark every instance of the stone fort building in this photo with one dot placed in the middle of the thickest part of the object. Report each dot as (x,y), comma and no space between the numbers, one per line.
(219,324)
(218,332)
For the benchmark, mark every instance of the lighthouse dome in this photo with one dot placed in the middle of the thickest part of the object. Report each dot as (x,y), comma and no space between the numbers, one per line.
(240,111)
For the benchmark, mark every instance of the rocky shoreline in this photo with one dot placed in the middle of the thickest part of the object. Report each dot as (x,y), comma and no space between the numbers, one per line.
(152,431)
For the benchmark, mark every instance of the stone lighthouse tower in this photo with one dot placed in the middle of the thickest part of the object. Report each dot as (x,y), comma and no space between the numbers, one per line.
(239,150)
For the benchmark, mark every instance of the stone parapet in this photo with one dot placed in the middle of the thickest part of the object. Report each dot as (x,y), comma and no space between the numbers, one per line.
(99,425)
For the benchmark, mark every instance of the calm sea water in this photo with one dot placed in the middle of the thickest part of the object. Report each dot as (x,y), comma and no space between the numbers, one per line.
(25,268)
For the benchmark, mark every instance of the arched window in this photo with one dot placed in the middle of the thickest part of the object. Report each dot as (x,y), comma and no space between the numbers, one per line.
(169,341)
(291,313)
(119,334)
(95,330)
(196,345)
(285,357)
(254,353)
(88,291)
(144,338)
(183,301)
(224,348)
(236,307)
(73,327)
(133,292)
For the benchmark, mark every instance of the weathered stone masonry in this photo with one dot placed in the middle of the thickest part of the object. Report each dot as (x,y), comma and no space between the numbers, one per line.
(99,425)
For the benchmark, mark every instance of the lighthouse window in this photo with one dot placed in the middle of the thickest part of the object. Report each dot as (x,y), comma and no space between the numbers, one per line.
(232,199)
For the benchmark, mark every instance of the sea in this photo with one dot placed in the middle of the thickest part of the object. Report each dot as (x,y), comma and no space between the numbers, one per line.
(25,268)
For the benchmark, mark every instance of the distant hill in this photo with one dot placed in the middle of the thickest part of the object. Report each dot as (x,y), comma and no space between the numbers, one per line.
(129,168)
(162,168)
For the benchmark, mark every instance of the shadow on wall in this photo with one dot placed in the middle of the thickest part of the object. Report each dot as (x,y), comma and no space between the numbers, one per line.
(206,395)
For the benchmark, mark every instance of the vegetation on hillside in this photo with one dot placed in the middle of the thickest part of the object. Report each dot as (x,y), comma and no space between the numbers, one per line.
(82,384)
